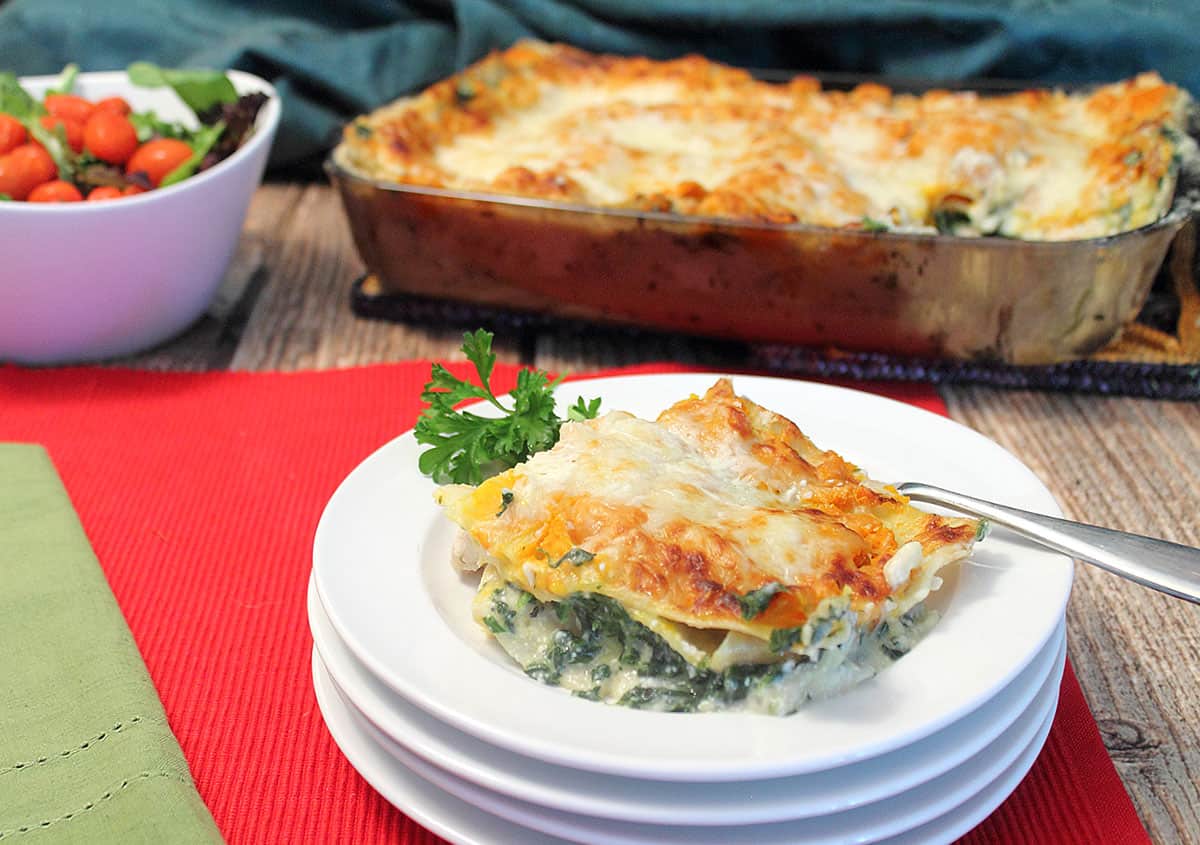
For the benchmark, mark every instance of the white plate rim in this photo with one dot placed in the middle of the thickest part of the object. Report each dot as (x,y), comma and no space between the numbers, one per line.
(590,793)
(568,827)
(406,790)
(709,761)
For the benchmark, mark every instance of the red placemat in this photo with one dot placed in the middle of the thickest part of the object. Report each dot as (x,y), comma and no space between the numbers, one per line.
(201,493)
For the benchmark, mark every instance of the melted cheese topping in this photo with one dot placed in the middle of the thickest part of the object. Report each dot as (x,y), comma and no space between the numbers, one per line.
(720,515)
(698,138)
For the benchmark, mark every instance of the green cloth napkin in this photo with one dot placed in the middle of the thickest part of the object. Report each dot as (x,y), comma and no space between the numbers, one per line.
(86,754)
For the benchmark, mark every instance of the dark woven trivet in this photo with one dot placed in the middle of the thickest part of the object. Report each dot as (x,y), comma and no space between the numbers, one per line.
(1111,378)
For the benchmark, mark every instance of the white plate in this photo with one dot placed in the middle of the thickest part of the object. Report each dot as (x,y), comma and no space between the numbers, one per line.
(380,561)
(430,807)
(867,823)
(659,802)
(466,824)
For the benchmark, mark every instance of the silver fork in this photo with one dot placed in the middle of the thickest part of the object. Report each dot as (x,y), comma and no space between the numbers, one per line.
(1168,567)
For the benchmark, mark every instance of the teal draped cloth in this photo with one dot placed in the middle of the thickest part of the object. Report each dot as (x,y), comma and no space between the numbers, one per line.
(332,60)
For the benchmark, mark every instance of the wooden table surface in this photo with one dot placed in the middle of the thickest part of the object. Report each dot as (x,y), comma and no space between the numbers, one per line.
(1124,463)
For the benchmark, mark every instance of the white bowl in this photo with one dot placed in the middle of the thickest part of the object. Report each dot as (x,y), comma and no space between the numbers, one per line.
(85,281)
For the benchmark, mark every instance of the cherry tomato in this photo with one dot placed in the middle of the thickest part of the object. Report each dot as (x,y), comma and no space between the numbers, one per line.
(157,158)
(12,133)
(116,105)
(56,191)
(12,180)
(110,137)
(73,129)
(36,161)
(24,169)
(69,107)
(133,190)
(104,192)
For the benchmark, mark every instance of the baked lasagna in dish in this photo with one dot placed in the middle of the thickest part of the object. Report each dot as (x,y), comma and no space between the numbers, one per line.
(712,559)
(697,138)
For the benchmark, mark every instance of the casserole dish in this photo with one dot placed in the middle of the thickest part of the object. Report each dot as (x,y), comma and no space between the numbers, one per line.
(899,291)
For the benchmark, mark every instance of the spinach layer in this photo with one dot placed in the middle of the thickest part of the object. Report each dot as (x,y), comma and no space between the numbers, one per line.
(594,633)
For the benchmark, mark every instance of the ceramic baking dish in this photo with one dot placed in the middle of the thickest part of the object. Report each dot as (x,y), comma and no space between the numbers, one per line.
(906,293)
(1023,302)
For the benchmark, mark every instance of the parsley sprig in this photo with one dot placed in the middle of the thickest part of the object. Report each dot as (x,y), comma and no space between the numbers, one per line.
(465,447)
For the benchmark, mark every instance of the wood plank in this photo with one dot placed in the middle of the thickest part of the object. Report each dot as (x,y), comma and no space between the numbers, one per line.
(1132,465)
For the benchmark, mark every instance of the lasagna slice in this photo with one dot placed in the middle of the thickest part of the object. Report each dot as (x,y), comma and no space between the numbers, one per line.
(712,559)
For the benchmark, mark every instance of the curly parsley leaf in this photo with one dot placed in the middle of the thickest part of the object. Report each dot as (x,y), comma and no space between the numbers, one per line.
(582,410)
(477,346)
(466,447)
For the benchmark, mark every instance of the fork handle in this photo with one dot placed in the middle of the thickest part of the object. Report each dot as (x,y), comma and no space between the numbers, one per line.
(1171,568)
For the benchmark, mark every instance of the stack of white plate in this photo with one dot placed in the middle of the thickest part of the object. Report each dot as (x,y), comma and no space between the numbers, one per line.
(439,720)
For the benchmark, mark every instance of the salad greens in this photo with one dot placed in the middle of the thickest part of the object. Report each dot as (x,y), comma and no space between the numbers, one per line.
(16,102)
(223,121)
(203,91)
(66,80)
(55,142)
(204,139)
(149,125)
(465,447)
(199,89)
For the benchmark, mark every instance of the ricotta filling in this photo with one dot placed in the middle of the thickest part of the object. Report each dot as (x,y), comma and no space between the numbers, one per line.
(590,646)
